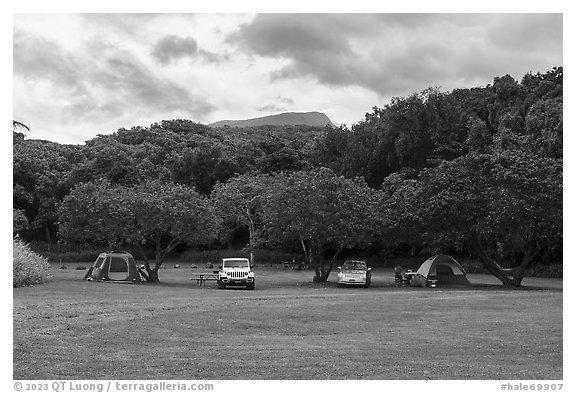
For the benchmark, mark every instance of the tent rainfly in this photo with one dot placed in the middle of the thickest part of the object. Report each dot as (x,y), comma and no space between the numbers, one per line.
(117,266)
(440,270)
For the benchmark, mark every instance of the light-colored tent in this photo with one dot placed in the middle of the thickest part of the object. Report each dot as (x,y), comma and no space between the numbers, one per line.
(440,270)
(118,266)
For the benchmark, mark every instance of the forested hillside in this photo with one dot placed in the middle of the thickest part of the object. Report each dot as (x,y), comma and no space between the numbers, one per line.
(474,170)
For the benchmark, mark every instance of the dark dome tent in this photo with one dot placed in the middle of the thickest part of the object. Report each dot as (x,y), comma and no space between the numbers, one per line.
(115,266)
(442,271)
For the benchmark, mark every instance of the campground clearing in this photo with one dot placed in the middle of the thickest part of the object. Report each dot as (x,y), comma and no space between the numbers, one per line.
(288,328)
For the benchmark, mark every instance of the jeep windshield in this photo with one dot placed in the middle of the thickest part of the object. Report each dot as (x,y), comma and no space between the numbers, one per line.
(235,263)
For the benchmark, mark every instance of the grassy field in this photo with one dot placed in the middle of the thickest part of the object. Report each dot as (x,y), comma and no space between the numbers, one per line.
(288,328)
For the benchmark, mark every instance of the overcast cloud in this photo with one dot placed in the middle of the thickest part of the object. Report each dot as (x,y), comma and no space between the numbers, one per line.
(393,55)
(172,47)
(78,75)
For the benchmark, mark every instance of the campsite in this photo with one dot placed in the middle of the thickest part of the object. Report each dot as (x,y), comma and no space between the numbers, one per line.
(288,196)
(289,328)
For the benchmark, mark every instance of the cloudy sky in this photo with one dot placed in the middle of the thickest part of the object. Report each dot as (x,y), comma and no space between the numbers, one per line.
(79,75)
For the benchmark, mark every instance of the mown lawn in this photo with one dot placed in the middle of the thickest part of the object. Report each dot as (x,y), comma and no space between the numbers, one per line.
(288,328)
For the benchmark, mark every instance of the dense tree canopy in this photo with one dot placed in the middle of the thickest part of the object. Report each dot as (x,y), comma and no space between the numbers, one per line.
(505,206)
(424,129)
(240,204)
(322,211)
(477,170)
(42,177)
(159,215)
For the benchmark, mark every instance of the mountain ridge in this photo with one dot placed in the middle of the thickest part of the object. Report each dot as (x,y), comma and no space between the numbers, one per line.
(314,119)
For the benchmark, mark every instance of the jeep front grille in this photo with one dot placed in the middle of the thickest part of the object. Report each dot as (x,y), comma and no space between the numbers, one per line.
(236,274)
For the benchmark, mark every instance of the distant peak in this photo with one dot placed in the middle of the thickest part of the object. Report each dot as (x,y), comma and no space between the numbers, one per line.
(314,119)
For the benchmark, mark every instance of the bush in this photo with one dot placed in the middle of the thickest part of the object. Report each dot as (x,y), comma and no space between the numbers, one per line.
(29,268)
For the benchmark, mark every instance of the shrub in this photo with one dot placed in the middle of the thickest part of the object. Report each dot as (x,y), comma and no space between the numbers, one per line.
(29,268)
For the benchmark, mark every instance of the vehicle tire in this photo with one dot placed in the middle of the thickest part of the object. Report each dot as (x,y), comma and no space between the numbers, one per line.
(340,285)
(251,285)
(221,285)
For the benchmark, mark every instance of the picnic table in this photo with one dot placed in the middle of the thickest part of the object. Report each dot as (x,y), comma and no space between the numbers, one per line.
(295,265)
(202,277)
(410,275)
(404,278)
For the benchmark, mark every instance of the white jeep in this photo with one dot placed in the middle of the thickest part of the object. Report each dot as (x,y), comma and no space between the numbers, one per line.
(236,272)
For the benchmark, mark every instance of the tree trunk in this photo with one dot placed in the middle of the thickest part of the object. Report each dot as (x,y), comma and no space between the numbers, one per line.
(160,256)
(48,237)
(252,235)
(316,250)
(317,274)
(508,277)
(333,262)
(157,254)
(307,255)
(153,275)
(323,272)
(518,273)
(147,267)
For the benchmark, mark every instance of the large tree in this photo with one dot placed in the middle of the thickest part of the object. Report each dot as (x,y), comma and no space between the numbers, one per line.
(239,202)
(41,178)
(505,207)
(151,214)
(325,212)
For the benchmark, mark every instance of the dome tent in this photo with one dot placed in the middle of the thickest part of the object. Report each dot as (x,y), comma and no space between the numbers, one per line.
(117,266)
(440,270)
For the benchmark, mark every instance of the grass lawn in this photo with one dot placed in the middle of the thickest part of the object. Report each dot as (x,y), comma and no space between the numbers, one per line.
(288,328)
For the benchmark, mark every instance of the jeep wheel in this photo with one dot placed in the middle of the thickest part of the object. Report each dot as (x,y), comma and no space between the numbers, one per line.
(251,285)
(221,285)
(340,285)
